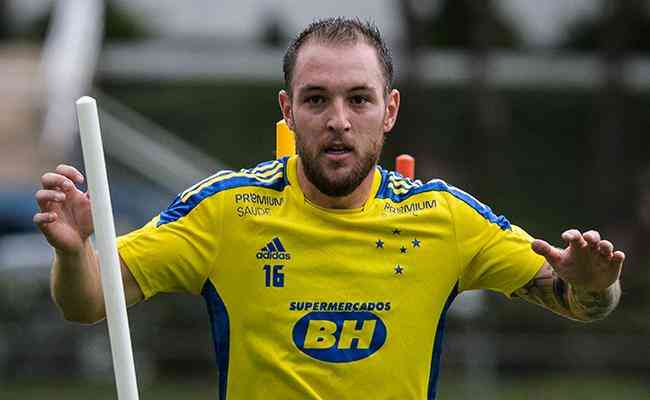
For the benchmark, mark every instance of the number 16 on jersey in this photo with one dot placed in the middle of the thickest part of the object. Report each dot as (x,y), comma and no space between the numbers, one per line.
(273,275)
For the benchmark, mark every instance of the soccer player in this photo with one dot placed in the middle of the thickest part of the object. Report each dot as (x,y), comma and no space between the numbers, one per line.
(325,275)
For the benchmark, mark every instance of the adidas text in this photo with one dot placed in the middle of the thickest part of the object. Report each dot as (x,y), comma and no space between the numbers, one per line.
(267,255)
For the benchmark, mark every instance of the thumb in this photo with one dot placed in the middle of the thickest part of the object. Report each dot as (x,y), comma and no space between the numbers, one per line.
(552,254)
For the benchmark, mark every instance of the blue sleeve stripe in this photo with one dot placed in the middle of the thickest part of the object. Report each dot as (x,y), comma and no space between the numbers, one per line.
(284,161)
(262,171)
(396,193)
(220,325)
(178,208)
(434,372)
(265,172)
(265,166)
(196,186)
(381,192)
(481,208)
(398,188)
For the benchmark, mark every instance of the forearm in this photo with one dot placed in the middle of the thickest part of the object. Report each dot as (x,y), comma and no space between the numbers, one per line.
(76,286)
(593,306)
(551,292)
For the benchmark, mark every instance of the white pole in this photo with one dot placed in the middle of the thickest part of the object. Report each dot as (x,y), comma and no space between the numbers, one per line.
(111,277)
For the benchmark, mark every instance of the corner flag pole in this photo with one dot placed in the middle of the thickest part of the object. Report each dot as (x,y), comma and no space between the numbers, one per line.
(109,262)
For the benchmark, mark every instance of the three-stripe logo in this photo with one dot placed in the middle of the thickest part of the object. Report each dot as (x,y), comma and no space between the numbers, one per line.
(274,250)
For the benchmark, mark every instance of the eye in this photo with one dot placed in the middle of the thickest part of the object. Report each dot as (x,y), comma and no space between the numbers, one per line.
(358,100)
(315,100)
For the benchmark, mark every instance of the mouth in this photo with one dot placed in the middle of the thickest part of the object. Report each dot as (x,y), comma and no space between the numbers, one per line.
(338,150)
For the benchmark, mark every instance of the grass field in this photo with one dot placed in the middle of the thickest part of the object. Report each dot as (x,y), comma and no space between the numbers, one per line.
(556,388)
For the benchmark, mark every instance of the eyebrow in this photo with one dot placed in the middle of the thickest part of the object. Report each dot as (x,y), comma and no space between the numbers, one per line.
(316,88)
(362,87)
(311,88)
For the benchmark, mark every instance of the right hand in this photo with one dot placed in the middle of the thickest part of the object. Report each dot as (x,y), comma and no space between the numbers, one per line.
(65,218)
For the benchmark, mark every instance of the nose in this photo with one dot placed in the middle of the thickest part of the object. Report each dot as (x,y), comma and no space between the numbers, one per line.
(337,120)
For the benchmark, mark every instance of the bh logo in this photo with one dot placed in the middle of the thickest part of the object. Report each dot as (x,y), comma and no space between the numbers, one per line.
(339,336)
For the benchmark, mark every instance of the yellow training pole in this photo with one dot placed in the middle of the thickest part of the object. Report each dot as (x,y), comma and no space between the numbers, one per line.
(285,144)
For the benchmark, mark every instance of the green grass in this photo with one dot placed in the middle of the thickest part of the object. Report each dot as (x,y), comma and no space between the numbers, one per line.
(555,388)
(69,390)
(550,387)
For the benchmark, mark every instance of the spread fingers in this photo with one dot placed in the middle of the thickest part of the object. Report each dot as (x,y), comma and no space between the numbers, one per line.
(592,237)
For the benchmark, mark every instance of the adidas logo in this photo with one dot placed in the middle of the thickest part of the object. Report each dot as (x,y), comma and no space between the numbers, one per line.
(274,250)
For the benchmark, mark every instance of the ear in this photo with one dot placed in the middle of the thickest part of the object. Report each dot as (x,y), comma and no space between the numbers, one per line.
(392,109)
(285,106)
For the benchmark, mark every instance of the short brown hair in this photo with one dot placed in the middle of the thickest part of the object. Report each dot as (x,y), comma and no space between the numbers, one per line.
(340,30)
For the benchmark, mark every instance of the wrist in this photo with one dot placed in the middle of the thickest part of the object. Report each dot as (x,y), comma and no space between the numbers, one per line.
(586,289)
(72,255)
(588,304)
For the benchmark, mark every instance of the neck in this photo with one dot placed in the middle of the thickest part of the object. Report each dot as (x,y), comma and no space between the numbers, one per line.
(356,199)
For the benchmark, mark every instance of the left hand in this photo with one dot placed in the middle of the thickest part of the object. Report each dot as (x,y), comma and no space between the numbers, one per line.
(587,263)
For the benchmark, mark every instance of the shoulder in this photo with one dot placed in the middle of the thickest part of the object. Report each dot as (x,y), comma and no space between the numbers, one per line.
(269,175)
(398,188)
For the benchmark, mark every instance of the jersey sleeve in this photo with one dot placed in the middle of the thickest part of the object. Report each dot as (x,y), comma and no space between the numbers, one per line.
(175,250)
(494,254)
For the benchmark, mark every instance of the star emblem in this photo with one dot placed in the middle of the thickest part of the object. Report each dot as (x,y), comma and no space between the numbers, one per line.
(398,270)
(416,243)
(402,250)
(396,231)
(380,244)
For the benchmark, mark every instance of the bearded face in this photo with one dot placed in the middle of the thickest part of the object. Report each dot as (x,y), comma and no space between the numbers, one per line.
(340,111)
(336,165)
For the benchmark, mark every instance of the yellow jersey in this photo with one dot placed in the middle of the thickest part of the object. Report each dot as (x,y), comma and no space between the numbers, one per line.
(314,303)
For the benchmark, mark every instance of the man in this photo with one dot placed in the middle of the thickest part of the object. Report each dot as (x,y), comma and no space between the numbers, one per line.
(325,275)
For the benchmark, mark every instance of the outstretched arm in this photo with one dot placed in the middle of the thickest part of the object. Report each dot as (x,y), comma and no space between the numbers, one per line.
(66,222)
(580,282)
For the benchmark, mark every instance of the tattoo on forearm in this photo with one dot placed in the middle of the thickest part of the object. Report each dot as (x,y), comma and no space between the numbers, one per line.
(559,290)
(595,305)
(548,290)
